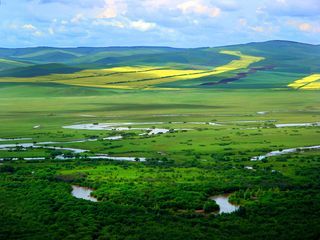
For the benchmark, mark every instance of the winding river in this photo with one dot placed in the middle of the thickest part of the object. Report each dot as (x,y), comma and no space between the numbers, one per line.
(83,193)
(125,127)
(283,152)
(283,125)
(224,205)
(222,200)
(46,145)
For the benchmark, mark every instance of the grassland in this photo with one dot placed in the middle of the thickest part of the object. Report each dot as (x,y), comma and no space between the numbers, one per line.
(69,105)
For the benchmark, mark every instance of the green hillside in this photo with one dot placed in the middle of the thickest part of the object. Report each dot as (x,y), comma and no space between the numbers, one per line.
(53,56)
(285,55)
(8,64)
(39,70)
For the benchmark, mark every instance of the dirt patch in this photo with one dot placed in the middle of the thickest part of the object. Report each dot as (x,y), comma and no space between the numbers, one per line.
(238,76)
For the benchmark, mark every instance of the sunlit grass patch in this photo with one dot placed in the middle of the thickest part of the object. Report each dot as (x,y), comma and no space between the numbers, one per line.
(244,61)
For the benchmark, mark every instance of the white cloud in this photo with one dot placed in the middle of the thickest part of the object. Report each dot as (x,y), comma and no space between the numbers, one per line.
(51,31)
(37,33)
(108,13)
(113,8)
(305,26)
(142,25)
(34,30)
(198,7)
(78,18)
(29,27)
(243,22)
(258,29)
(139,25)
(112,23)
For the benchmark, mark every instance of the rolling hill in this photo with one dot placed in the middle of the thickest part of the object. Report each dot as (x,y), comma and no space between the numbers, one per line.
(281,63)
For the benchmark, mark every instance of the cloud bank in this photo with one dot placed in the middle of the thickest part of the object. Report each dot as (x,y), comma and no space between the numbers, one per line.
(179,23)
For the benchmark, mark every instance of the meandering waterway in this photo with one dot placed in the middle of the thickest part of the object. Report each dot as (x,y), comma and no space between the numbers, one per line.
(224,205)
(83,193)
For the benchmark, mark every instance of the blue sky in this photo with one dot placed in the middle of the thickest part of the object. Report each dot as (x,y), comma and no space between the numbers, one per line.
(177,23)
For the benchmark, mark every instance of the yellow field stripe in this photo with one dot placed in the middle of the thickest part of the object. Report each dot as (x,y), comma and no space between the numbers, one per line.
(312,86)
(305,82)
(172,75)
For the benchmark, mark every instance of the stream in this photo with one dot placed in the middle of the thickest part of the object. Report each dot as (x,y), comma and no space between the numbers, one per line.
(282,125)
(221,200)
(125,127)
(24,146)
(83,193)
(284,151)
(224,204)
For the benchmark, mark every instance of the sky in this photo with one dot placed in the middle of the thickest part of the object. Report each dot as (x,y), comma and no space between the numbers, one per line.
(176,23)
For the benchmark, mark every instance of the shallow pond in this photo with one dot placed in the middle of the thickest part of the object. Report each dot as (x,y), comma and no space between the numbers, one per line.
(122,127)
(128,126)
(111,126)
(83,193)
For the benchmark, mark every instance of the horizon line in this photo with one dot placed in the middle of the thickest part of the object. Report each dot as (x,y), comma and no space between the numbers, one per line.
(164,46)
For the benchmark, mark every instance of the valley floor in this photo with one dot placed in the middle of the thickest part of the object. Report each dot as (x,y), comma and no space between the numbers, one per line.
(183,148)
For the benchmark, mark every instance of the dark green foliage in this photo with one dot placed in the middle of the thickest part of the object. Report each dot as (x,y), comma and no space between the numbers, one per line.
(7,169)
(39,70)
(210,206)
(35,203)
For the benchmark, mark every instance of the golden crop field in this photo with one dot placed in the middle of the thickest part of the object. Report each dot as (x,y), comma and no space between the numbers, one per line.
(311,82)
(138,77)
